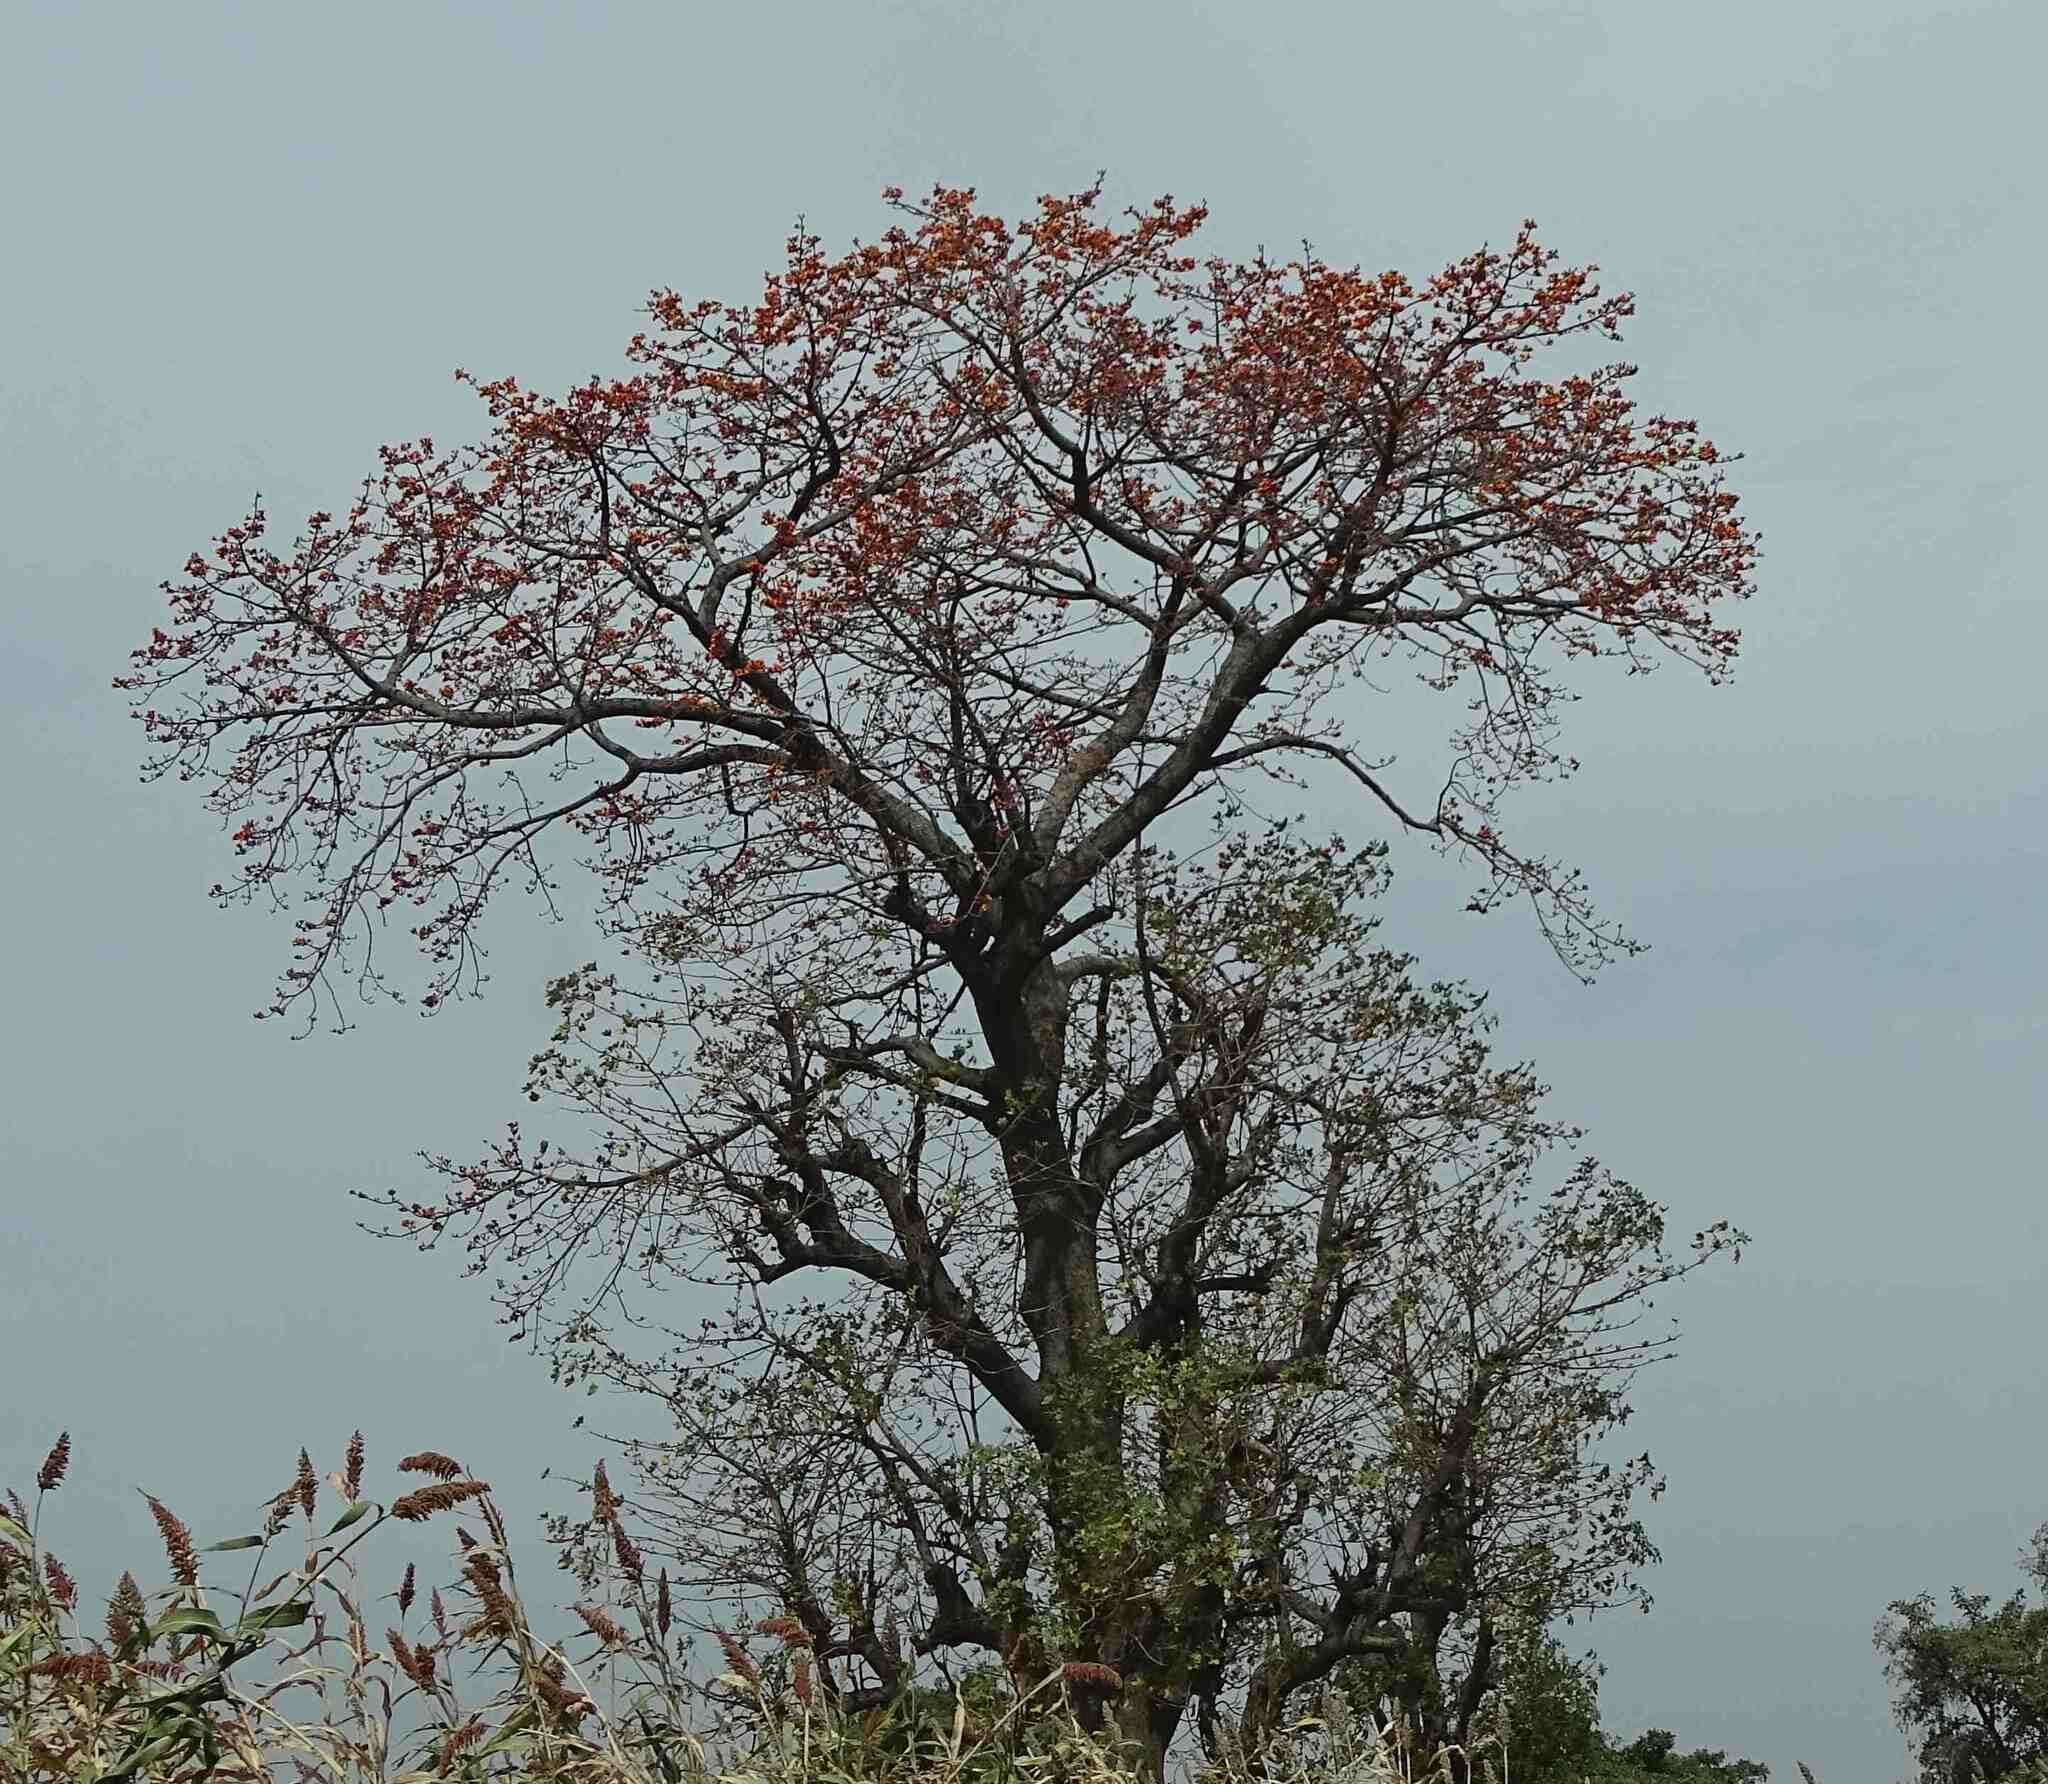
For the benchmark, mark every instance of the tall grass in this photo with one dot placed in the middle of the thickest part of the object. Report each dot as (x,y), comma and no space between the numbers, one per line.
(290,1670)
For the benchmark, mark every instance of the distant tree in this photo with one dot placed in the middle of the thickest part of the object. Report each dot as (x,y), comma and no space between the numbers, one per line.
(909,650)
(1655,1754)
(1973,1693)
(1517,1693)
(1540,1724)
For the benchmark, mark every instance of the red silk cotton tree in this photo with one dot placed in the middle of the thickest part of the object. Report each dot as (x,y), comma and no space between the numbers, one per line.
(908,653)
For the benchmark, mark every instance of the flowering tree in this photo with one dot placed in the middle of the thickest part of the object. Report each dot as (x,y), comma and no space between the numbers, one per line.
(912,654)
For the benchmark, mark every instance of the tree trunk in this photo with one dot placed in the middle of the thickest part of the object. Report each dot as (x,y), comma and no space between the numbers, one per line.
(1144,1725)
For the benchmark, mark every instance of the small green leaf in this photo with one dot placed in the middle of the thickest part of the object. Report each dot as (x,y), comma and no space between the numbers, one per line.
(233,1542)
(275,1616)
(11,1530)
(355,1514)
(188,1621)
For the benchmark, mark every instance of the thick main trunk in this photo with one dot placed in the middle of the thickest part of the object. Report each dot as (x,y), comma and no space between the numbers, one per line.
(1022,1005)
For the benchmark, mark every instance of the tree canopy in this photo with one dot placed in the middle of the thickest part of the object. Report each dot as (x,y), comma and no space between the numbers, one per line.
(918,657)
(1973,1692)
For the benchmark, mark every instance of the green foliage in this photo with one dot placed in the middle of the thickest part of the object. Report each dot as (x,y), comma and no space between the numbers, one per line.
(1655,1755)
(1541,1725)
(1547,1713)
(1973,1692)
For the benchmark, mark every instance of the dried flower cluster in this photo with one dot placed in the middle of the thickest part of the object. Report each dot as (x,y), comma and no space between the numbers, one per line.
(498,1613)
(126,1612)
(601,1624)
(785,1629)
(423,1502)
(417,1663)
(63,1589)
(87,1668)
(737,1657)
(431,1462)
(54,1464)
(184,1559)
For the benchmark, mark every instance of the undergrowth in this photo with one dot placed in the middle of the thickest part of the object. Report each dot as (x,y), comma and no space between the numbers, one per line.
(286,1674)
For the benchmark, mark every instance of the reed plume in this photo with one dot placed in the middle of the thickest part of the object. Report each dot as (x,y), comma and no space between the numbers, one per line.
(177,1542)
(306,1488)
(279,1511)
(431,1462)
(741,1662)
(408,1660)
(54,1464)
(628,1555)
(664,1611)
(571,1706)
(786,1629)
(90,1667)
(406,1590)
(422,1502)
(126,1612)
(467,1735)
(352,1469)
(600,1624)
(63,1588)
(484,1580)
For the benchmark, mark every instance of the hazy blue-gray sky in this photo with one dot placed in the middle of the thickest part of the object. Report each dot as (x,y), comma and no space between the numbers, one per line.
(245,244)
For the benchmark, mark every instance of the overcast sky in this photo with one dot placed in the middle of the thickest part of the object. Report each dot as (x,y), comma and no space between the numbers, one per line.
(244,245)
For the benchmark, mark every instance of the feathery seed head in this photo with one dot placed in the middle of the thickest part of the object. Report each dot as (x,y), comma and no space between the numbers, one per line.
(54,1464)
(737,1656)
(628,1556)
(177,1542)
(431,1462)
(422,1502)
(63,1588)
(601,1625)
(786,1629)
